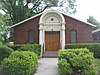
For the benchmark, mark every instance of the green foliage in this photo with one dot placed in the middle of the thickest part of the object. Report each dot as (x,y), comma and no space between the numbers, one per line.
(20,63)
(4,27)
(32,7)
(27,47)
(31,47)
(93,47)
(15,47)
(91,70)
(29,7)
(4,52)
(97,62)
(92,20)
(64,67)
(70,7)
(81,61)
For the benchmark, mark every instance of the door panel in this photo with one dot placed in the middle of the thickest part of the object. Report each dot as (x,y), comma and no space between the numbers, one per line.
(52,40)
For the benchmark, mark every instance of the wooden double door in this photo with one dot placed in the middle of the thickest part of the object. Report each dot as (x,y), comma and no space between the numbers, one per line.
(52,40)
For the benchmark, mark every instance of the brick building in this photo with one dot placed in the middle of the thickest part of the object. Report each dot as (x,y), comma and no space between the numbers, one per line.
(96,36)
(52,29)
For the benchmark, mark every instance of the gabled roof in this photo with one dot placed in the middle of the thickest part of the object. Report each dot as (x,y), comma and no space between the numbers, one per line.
(97,30)
(44,12)
(26,20)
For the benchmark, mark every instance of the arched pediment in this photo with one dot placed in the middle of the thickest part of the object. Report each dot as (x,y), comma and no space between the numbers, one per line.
(52,16)
(51,21)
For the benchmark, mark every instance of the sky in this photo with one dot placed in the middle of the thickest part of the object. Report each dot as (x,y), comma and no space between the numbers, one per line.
(86,8)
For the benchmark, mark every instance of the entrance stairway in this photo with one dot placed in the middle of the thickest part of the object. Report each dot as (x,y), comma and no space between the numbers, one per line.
(50,54)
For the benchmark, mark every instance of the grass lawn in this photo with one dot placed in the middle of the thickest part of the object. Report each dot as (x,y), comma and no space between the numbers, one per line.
(97,62)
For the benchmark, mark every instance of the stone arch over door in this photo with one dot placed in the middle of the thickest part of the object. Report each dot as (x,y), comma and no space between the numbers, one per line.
(52,21)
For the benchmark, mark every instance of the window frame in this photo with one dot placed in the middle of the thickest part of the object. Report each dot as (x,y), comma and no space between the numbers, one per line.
(71,36)
(30,37)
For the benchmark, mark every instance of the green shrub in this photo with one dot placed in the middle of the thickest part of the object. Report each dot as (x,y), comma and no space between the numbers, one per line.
(31,47)
(27,47)
(64,67)
(80,61)
(4,52)
(91,70)
(20,63)
(94,47)
(15,47)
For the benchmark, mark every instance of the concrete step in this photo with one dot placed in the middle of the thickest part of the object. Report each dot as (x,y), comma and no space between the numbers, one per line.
(50,54)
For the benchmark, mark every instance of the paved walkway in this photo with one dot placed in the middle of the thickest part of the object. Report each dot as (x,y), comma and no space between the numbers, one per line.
(47,66)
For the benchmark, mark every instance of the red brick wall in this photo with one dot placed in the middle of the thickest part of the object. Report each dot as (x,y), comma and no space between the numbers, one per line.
(21,31)
(84,31)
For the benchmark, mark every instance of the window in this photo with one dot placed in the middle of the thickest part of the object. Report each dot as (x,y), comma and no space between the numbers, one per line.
(73,36)
(97,37)
(31,37)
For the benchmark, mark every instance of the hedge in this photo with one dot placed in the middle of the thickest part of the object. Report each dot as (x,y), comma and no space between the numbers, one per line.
(76,62)
(15,47)
(5,52)
(93,47)
(31,47)
(27,47)
(20,63)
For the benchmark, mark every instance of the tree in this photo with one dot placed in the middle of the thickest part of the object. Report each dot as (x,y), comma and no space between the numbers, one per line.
(4,28)
(0,29)
(92,20)
(69,6)
(22,9)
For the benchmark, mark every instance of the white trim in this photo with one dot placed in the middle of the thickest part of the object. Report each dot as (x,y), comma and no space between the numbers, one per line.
(52,11)
(26,20)
(79,20)
(60,25)
(97,30)
(47,10)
